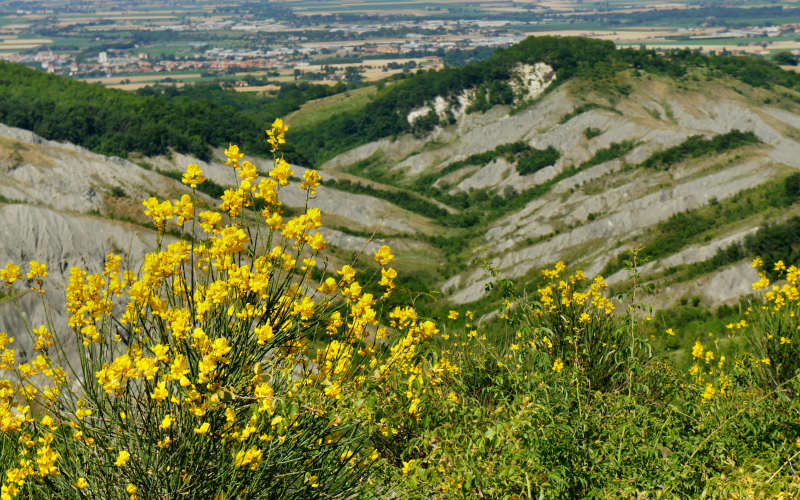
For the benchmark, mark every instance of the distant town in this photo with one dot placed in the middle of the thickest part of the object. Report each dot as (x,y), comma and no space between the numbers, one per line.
(130,46)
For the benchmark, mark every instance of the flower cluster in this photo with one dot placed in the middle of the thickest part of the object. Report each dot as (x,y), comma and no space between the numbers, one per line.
(220,355)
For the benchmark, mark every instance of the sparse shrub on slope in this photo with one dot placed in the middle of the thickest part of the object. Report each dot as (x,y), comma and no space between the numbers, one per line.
(697,145)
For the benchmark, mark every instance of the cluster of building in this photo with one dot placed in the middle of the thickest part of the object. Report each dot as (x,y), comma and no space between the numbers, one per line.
(205,57)
(751,32)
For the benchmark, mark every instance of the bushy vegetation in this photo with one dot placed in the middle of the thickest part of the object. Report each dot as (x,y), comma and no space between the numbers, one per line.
(536,159)
(583,108)
(775,242)
(115,122)
(236,366)
(398,196)
(697,145)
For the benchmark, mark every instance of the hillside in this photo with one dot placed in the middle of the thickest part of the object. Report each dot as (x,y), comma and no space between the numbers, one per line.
(498,168)
(288,353)
(691,165)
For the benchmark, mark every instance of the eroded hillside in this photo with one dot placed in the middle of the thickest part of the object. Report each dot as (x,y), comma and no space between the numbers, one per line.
(627,163)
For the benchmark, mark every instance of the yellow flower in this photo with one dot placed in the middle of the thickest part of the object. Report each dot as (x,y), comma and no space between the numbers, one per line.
(384,255)
(251,457)
(558,365)
(10,273)
(122,458)
(670,332)
(160,392)
(698,351)
(166,422)
(709,392)
(131,488)
(160,213)
(37,269)
(387,280)
(452,315)
(408,466)
(281,171)
(347,273)
(311,180)
(81,483)
(203,429)
(277,134)
(193,176)
(233,155)
(264,333)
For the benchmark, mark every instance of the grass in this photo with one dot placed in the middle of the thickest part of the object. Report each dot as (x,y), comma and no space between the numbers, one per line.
(319,110)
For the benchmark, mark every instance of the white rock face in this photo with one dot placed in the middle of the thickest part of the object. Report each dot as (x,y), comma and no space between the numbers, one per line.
(417,113)
(529,81)
(593,215)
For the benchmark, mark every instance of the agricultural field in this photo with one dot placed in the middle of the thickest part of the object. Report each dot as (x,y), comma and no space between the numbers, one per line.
(119,41)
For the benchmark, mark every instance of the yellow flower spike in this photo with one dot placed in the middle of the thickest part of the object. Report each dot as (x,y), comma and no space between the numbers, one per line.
(233,155)
(233,200)
(37,269)
(281,171)
(709,392)
(277,134)
(347,273)
(311,179)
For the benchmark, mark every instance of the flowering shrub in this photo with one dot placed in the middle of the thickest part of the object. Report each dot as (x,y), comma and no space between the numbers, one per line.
(775,333)
(572,321)
(236,364)
(232,365)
